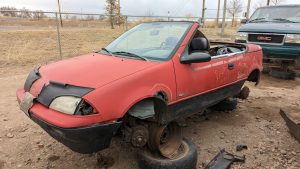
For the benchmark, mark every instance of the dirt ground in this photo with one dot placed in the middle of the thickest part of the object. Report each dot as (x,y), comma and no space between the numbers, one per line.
(256,123)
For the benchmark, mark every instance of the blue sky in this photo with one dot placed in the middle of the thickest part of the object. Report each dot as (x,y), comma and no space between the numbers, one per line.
(132,7)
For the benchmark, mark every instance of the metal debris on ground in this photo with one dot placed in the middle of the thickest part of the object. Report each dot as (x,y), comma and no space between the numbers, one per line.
(223,160)
(292,123)
(241,147)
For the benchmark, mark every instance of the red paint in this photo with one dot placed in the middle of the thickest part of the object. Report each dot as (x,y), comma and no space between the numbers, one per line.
(120,83)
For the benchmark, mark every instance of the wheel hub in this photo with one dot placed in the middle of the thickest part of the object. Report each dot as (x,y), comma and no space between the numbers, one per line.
(140,136)
(165,139)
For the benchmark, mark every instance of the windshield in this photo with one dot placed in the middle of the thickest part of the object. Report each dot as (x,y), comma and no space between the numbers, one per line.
(277,14)
(154,41)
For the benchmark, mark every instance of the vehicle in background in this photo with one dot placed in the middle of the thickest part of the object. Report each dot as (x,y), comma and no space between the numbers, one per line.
(277,30)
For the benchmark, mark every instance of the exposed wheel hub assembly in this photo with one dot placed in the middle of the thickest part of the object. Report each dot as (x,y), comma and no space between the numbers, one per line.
(140,136)
(165,139)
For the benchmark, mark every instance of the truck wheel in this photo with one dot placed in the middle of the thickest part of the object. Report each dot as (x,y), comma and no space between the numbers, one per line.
(186,158)
(281,74)
(228,104)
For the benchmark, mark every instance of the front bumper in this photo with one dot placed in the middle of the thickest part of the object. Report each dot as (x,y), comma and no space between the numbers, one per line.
(279,52)
(83,140)
(73,131)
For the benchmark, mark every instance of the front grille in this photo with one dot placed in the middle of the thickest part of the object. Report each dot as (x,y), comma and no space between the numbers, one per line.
(266,38)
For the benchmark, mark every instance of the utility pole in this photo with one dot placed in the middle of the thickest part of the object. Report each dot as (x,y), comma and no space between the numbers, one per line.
(223,20)
(119,10)
(203,11)
(218,12)
(268,2)
(61,23)
(248,9)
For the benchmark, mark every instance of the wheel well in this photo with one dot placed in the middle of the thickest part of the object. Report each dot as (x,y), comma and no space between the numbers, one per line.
(162,95)
(254,76)
(152,108)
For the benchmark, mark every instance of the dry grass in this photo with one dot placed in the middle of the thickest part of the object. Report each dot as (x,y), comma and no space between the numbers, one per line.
(39,46)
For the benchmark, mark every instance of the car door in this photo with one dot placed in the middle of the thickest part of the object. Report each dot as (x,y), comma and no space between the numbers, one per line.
(195,78)
(226,69)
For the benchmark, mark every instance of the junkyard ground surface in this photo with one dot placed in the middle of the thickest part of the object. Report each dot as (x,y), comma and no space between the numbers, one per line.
(256,123)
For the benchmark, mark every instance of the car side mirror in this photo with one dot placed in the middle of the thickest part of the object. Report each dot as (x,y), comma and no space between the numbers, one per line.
(196,57)
(244,21)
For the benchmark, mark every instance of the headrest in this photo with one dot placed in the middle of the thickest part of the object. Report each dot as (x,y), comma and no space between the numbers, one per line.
(200,44)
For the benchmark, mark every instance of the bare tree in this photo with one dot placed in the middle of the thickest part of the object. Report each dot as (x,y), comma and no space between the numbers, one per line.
(234,8)
(26,13)
(8,11)
(276,2)
(38,14)
(112,9)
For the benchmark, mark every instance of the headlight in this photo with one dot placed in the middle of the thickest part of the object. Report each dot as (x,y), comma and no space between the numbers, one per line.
(292,38)
(241,36)
(65,104)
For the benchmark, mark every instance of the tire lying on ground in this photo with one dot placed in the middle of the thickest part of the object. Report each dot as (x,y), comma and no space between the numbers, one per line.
(185,159)
(244,93)
(228,104)
(281,74)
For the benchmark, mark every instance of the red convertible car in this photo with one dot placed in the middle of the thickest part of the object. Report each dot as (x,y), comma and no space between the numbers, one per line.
(140,84)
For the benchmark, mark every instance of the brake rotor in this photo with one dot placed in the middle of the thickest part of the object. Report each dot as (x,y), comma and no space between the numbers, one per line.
(165,139)
(140,136)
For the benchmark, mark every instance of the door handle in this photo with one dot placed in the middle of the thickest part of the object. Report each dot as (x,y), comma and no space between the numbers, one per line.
(231,66)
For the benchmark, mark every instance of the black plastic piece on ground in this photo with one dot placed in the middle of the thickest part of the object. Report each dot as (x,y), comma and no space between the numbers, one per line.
(293,127)
(241,147)
(188,160)
(83,140)
(223,160)
(281,74)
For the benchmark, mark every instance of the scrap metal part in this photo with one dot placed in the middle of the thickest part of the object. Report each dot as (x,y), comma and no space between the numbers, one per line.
(293,126)
(223,160)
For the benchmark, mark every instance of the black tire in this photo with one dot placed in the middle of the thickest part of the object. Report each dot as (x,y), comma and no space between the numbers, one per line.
(244,93)
(186,160)
(281,74)
(226,105)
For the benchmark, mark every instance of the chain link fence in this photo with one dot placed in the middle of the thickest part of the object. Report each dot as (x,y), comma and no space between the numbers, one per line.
(35,37)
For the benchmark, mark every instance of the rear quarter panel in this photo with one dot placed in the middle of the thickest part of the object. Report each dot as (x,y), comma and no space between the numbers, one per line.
(250,61)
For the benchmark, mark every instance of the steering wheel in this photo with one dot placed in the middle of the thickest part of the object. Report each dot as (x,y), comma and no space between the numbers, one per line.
(223,51)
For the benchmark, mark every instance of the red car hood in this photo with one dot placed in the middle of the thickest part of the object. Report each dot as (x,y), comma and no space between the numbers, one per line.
(92,70)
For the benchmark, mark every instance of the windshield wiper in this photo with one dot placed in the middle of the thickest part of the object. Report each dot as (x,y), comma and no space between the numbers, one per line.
(282,19)
(107,51)
(130,55)
(257,19)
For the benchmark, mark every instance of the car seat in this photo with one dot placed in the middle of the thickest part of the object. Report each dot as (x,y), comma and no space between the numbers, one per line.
(199,44)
